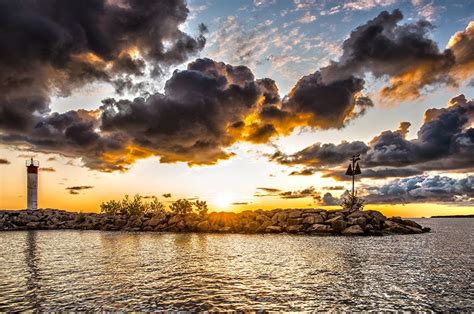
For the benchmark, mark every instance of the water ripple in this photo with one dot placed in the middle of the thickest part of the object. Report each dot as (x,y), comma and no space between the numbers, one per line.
(107,271)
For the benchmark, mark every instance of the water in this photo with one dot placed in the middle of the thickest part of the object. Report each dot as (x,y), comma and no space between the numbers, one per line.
(90,270)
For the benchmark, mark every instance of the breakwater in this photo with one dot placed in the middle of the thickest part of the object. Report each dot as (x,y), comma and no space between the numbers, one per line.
(297,221)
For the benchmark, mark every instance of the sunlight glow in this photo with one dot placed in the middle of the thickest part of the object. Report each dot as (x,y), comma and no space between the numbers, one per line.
(223,201)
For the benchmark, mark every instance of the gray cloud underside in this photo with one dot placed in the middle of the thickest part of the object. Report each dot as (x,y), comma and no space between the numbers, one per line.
(445,141)
(206,108)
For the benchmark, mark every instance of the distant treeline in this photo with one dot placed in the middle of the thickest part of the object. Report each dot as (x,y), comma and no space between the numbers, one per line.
(454,216)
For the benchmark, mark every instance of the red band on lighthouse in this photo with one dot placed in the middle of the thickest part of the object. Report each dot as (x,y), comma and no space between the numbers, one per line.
(32,169)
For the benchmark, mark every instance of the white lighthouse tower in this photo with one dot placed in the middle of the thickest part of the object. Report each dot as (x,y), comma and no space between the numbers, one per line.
(32,185)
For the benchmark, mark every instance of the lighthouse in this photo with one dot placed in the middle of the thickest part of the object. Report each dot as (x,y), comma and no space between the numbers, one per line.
(32,185)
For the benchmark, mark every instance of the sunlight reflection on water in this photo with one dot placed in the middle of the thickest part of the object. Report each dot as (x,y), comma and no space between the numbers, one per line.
(90,270)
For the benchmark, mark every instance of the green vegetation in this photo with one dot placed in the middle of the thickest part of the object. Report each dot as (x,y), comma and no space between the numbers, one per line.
(137,206)
(350,202)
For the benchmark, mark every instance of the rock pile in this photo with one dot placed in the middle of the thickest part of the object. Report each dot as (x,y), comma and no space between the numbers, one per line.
(298,221)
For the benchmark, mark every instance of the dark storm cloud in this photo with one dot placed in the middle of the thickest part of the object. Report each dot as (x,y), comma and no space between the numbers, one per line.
(4,161)
(309,171)
(403,52)
(318,154)
(268,190)
(47,169)
(445,141)
(334,188)
(190,121)
(329,105)
(76,189)
(329,200)
(308,192)
(56,46)
(438,189)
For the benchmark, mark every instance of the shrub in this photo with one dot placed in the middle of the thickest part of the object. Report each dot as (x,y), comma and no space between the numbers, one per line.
(201,207)
(155,206)
(182,206)
(130,207)
(350,202)
(110,208)
(80,218)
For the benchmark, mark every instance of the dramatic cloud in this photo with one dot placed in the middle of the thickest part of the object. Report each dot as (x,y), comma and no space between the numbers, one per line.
(53,47)
(405,54)
(209,106)
(304,193)
(308,192)
(240,203)
(437,189)
(325,105)
(334,188)
(329,200)
(263,192)
(47,169)
(322,155)
(76,189)
(4,161)
(445,141)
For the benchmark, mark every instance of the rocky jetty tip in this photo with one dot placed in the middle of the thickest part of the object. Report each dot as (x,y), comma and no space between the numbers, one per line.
(294,221)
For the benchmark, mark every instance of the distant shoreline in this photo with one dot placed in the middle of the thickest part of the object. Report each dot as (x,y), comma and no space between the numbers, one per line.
(454,216)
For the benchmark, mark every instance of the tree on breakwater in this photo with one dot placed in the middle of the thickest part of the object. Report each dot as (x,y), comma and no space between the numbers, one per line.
(137,206)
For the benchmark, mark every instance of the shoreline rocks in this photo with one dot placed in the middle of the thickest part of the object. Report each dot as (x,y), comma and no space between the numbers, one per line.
(311,221)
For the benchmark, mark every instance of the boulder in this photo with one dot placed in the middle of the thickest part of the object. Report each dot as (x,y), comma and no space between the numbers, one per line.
(411,223)
(357,214)
(279,217)
(337,223)
(294,221)
(203,226)
(394,227)
(313,219)
(353,230)
(252,227)
(156,220)
(319,228)
(175,219)
(376,216)
(262,218)
(295,214)
(294,228)
(361,221)
(33,225)
(273,229)
(396,219)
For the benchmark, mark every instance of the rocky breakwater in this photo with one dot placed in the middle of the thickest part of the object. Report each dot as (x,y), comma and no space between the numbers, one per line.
(295,221)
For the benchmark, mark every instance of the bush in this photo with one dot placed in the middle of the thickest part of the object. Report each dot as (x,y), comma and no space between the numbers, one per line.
(155,206)
(201,207)
(111,208)
(351,203)
(182,206)
(137,206)
(130,207)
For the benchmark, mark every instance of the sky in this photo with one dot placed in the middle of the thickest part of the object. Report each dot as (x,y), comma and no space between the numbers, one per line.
(243,104)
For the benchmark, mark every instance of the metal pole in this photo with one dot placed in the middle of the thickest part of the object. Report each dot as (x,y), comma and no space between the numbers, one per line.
(353,175)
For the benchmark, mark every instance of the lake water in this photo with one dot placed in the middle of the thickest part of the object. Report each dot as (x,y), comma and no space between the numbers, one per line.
(90,270)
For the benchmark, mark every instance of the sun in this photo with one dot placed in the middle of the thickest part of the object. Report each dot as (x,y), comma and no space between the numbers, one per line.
(223,201)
